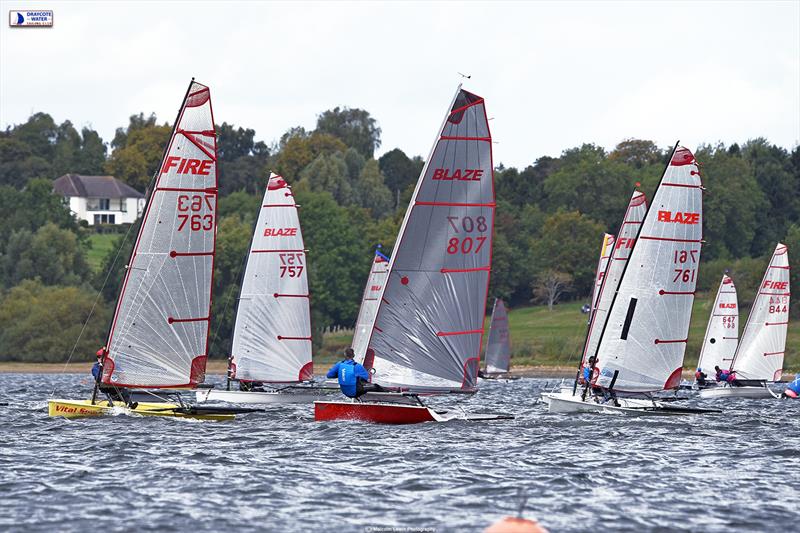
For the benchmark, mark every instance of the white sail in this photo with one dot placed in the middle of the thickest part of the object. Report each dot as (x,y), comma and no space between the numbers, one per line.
(272,335)
(722,333)
(369,304)
(429,328)
(498,347)
(615,266)
(600,274)
(761,350)
(643,343)
(159,335)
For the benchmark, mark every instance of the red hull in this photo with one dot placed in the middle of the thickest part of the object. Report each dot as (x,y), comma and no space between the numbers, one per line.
(378,413)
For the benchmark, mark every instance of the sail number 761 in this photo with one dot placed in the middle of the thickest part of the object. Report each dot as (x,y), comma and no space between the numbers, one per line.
(466,244)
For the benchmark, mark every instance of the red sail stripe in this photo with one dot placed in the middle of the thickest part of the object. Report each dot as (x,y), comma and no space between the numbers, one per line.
(173,253)
(449,333)
(278,295)
(451,270)
(659,341)
(449,138)
(649,238)
(454,204)
(200,319)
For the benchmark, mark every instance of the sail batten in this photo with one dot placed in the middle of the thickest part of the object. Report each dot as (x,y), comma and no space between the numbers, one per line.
(272,332)
(429,326)
(763,342)
(159,334)
(643,342)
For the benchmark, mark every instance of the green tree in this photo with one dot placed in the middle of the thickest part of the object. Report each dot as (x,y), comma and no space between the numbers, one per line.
(52,255)
(42,323)
(299,150)
(372,193)
(243,161)
(330,173)
(526,187)
(399,170)
(637,153)
(355,127)
(138,151)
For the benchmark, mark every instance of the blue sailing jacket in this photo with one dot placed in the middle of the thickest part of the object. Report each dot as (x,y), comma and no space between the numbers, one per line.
(96,371)
(795,385)
(348,372)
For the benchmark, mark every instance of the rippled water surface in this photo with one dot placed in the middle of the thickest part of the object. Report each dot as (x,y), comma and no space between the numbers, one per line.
(281,471)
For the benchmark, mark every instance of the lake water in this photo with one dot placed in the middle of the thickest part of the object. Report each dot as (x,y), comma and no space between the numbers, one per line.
(281,471)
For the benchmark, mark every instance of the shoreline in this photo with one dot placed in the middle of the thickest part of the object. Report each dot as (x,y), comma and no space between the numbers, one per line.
(219,367)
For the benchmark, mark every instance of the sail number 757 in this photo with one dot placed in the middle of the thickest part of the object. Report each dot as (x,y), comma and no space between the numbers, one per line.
(466,244)
(291,264)
(189,215)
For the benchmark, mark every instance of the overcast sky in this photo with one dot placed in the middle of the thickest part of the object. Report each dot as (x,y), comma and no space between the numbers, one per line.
(554,74)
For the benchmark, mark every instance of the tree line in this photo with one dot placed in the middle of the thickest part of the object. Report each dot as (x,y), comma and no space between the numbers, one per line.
(549,222)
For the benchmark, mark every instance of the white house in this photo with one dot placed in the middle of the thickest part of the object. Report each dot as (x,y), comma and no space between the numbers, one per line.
(100,199)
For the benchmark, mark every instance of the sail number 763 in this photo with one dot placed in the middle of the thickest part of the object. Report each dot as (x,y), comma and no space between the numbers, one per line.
(188,212)
(466,244)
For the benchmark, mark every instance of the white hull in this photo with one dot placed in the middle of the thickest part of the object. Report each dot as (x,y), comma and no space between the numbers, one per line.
(736,392)
(565,402)
(272,397)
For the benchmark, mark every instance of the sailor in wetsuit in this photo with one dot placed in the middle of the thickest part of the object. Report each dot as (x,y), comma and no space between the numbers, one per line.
(353,377)
(700,377)
(112,393)
(793,389)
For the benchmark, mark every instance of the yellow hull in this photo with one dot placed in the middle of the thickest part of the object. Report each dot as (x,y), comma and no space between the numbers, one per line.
(84,408)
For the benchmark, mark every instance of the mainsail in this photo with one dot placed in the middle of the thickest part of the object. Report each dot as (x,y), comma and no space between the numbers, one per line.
(600,273)
(761,350)
(429,328)
(643,343)
(498,347)
(722,333)
(159,335)
(272,335)
(369,304)
(615,266)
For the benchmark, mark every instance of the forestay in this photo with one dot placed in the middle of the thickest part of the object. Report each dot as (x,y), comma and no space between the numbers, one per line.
(369,304)
(761,351)
(159,335)
(722,333)
(498,347)
(429,327)
(643,343)
(272,335)
(615,266)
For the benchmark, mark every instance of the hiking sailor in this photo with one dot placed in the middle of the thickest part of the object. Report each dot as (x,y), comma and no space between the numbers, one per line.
(700,377)
(112,393)
(793,389)
(353,377)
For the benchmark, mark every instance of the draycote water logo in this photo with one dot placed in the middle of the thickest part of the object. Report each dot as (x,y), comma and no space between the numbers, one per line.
(29,19)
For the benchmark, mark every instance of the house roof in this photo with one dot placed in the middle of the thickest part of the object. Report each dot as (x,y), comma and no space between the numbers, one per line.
(94,187)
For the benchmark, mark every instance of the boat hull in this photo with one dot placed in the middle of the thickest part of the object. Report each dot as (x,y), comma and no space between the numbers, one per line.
(261,398)
(736,392)
(85,409)
(392,413)
(565,402)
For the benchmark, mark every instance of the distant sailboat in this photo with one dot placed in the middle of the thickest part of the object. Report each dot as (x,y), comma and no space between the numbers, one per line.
(427,334)
(641,346)
(369,304)
(606,249)
(498,346)
(159,335)
(722,333)
(272,334)
(759,357)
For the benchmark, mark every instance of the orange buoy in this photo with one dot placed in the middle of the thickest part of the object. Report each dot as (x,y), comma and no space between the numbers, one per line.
(511,524)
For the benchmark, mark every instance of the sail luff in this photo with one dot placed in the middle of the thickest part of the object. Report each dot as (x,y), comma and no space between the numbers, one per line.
(644,341)
(158,336)
(369,304)
(606,249)
(763,342)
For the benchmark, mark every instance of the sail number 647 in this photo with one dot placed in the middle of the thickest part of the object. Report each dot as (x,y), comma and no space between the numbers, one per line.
(466,244)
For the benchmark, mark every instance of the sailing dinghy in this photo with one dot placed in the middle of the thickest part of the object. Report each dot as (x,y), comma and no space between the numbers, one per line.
(369,304)
(759,358)
(640,347)
(722,333)
(159,335)
(498,346)
(272,333)
(426,337)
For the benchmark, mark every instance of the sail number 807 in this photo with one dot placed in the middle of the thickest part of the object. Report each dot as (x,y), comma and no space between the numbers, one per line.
(466,244)
(193,204)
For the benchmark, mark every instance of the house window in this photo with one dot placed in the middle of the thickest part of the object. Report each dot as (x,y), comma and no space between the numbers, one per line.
(96,220)
(105,204)
(104,219)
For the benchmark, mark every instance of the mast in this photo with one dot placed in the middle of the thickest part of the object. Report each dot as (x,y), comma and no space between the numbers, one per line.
(429,329)
(159,334)
(646,354)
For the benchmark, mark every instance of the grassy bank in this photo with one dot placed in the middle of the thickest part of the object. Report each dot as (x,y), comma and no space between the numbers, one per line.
(102,244)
